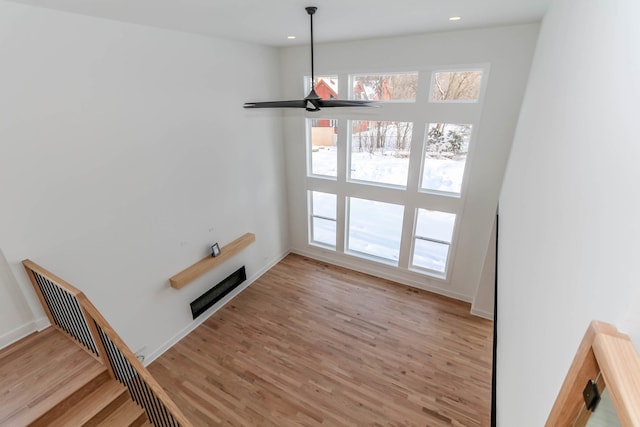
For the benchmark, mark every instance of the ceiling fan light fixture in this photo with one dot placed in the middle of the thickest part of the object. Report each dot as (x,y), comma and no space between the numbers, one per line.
(312,102)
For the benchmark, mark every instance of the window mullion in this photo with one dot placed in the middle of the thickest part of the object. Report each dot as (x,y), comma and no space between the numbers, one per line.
(341,224)
(444,242)
(341,143)
(406,239)
(415,157)
(431,205)
(326,218)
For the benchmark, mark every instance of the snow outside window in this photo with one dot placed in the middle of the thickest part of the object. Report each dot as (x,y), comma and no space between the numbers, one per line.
(397,207)
(322,218)
(375,228)
(445,157)
(434,231)
(322,146)
(380,151)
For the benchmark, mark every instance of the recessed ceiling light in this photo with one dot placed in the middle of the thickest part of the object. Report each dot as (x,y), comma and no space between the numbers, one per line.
(455,18)
(291,37)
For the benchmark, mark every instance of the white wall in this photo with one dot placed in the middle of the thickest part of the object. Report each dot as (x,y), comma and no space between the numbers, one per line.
(125,153)
(484,301)
(16,318)
(569,207)
(507,50)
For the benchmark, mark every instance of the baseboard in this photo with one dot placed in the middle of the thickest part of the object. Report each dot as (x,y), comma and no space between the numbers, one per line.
(42,323)
(17,334)
(197,322)
(482,313)
(378,272)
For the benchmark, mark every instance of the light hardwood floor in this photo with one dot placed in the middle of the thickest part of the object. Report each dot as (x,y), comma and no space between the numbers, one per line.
(36,371)
(314,344)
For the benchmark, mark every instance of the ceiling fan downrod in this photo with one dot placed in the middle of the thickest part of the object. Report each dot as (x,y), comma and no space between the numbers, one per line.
(312,102)
(311,10)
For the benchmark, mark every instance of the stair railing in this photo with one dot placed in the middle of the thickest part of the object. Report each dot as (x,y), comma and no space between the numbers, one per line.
(70,311)
(604,354)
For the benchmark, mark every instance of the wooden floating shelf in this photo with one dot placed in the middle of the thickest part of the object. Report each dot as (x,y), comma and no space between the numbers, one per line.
(189,274)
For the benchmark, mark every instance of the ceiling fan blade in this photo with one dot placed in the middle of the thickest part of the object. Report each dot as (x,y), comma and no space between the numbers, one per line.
(327,103)
(276,104)
(311,102)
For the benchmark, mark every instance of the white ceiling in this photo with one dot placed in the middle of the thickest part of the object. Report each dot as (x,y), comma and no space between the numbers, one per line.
(269,22)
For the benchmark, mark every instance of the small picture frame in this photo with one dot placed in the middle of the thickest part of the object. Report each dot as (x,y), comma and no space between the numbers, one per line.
(215,250)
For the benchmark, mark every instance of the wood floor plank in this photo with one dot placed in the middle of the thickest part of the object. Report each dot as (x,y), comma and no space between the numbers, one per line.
(39,372)
(313,344)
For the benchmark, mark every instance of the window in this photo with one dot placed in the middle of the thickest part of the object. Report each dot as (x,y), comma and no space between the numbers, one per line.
(375,228)
(322,147)
(323,218)
(433,234)
(325,86)
(374,191)
(456,86)
(445,157)
(385,87)
(380,151)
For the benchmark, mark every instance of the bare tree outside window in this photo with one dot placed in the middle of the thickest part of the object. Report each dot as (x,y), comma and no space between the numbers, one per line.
(456,86)
(380,151)
(385,87)
(382,137)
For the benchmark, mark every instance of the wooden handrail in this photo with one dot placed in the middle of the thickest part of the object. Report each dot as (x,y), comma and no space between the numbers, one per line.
(95,320)
(607,351)
(30,265)
(620,367)
(93,312)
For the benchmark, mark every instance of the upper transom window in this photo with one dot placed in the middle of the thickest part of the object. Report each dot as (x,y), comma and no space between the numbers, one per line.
(385,87)
(456,86)
(325,86)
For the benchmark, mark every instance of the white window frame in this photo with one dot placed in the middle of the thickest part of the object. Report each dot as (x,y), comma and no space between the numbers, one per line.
(365,255)
(309,149)
(420,112)
(425,270)
(312,215)
(466,163)
(349,154)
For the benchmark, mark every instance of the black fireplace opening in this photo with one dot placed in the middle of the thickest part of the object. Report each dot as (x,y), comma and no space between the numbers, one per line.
(219,291)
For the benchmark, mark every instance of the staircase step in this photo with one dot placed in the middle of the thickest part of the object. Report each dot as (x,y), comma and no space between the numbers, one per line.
(128,414)
(94,407)
(69,396)
(39,372)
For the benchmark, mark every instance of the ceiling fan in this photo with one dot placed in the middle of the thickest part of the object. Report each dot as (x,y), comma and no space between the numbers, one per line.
(311,102)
